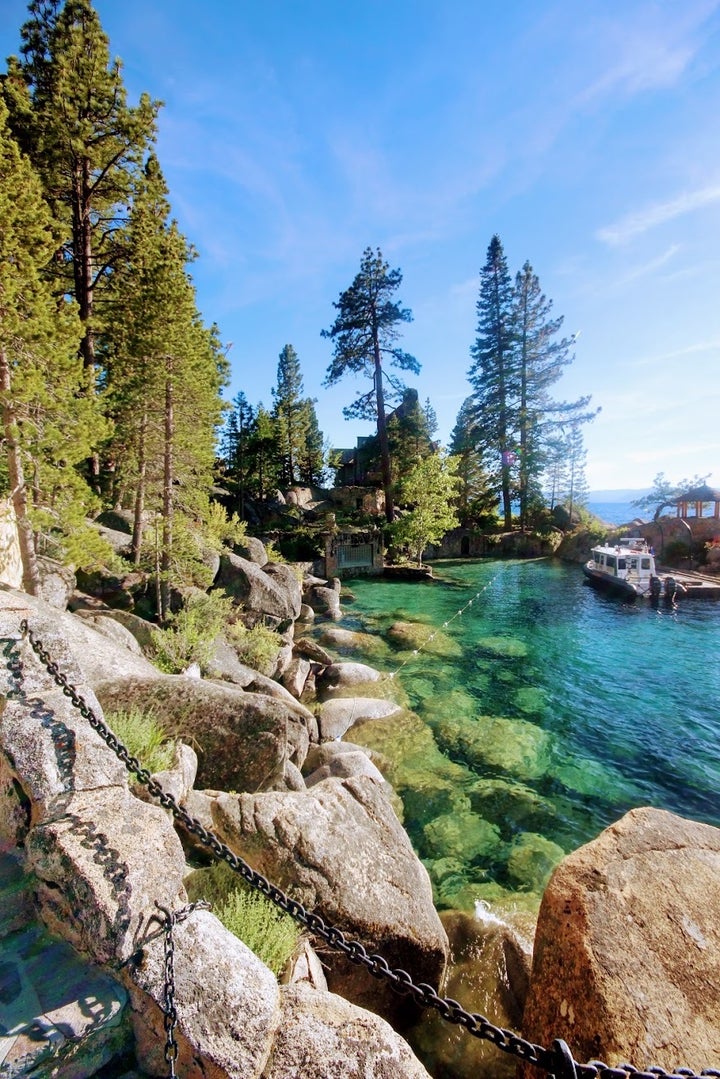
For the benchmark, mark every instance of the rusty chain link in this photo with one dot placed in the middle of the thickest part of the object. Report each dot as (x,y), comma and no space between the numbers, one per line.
(169,920)
(557,1061)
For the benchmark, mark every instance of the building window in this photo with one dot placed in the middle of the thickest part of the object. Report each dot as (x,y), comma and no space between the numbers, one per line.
(361,555)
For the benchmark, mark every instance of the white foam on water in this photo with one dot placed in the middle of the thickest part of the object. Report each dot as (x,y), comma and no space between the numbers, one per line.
(485,915)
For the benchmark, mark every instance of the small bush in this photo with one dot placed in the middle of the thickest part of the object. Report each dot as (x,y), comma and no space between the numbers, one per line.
(257,647)
(222,530)
(144,737)
(270,933)
(191,633)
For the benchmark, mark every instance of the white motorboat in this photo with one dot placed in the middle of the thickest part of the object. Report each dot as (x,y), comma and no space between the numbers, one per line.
(627,567)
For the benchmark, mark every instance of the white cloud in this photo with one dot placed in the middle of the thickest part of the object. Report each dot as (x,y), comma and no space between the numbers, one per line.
(658,213)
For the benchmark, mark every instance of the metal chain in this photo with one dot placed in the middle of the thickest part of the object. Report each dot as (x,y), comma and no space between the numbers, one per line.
(171,919)
(558,1061)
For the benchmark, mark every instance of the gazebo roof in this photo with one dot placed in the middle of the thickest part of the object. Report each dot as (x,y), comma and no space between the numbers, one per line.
(700,494)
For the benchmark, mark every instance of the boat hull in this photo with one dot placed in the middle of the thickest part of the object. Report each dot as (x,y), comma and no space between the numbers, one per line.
(614,585)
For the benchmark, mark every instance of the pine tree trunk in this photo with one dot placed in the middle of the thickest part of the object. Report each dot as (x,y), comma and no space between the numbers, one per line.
(31,573)
(136,547)
(383,435)
(166,559)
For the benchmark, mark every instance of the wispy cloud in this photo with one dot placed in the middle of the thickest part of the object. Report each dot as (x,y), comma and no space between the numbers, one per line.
(658,213)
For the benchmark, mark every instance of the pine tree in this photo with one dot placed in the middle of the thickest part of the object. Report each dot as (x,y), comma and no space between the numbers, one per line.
(575,459)
(237,451)
(541,359)
(312,454)
(165,371)
(408,435)
(264,450)
(47,426)
(69,109)
(431,421)
(477,498)
(365,334)
(290,415)
(493,374)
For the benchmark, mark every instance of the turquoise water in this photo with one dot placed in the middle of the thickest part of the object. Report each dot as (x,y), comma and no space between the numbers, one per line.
(537,716)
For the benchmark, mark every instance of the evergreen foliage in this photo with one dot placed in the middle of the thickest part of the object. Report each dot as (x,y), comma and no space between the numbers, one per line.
(477,495)
(49,423)
(270,933)
(664,493)
(409,435)
(144,737)
(290,415)
(519,429)
(365,333)
(493,373)
(165,371)
(68,108)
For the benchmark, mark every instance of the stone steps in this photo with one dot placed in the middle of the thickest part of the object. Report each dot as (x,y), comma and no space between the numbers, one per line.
(60,1018)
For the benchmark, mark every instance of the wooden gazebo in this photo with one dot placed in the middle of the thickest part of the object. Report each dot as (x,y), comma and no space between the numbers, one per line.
(698,497)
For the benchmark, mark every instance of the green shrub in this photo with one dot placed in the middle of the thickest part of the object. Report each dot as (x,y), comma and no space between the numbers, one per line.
(191,633)
(221,530)
(270,933)
(144,737)
(257,647)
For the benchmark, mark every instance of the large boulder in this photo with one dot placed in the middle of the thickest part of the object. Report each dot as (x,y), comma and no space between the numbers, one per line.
(57,582)
(322,1036)
(324,600)
(112,629)
(226,1001)
(273,597)
(252,549)
(627,949)
(340,849)
(101,865)
(488,973)
(338,678)
(243,739)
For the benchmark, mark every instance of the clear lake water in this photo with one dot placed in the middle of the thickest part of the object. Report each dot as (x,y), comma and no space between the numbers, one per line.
(537,712)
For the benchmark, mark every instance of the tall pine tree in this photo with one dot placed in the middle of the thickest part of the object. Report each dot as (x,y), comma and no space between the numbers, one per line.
(290,415)
(165,372)
(68,108)
(365,333)
(48,426)
(493,374)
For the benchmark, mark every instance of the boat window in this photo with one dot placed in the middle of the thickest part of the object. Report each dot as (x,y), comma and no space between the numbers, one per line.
(645,563)
(610,561)
(621,563)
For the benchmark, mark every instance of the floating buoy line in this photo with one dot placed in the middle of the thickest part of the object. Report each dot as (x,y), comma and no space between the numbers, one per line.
(428,640)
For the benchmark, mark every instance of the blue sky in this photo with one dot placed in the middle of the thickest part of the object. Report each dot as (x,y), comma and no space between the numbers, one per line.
(295,134)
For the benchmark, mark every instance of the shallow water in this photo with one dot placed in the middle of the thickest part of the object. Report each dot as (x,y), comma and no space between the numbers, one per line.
(539,712)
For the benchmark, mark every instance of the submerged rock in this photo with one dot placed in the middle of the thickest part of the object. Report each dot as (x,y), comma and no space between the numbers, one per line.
(415,635)
(511,745)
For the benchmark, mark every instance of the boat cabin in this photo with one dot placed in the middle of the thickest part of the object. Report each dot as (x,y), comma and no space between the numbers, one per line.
(628,559)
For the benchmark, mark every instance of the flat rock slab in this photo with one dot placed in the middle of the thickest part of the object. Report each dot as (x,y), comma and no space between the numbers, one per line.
(56,1012)
(627,952)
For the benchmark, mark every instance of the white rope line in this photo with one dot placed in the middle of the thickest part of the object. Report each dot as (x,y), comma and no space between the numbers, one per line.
(428,640)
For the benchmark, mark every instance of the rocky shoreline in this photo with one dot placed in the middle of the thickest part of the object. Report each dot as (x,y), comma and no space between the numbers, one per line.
(261,763)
